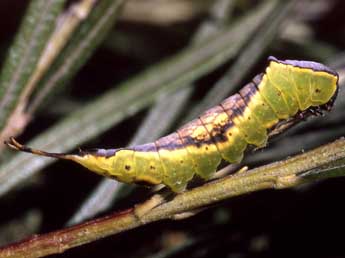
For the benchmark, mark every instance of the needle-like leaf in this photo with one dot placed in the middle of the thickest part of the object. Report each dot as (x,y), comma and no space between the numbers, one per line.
(37,26)
(133,95)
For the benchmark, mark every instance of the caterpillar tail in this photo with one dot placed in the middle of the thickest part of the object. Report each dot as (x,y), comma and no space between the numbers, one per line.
(118,164)
(85,158)
(12,143)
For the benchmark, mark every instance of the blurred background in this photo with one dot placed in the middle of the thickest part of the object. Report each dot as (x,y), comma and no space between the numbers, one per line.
(146,68)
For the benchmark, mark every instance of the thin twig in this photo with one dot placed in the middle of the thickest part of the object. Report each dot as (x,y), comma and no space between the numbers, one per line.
(277,175)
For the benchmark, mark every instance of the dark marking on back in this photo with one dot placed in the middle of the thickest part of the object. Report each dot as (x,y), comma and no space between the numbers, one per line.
(248,91)
(234,106)
(257,80)
(218,132)
(241,105)
(107,153)
(210,138)
(147,147)
(214,112)
(169,142)
(228,106)
(188,129)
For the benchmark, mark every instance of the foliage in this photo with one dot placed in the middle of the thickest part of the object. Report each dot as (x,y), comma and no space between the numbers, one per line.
(90,73)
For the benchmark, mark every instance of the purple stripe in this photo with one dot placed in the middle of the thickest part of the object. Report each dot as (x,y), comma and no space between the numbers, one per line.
(304,64)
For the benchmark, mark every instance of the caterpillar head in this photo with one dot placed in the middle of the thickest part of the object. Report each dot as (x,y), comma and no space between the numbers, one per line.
(318,79)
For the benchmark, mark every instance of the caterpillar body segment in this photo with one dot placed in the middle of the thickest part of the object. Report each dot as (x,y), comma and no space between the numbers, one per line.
(287,90)
(177,165)
(273,97)
(283,84)
(221,129)
(242,117)
(259,107)
(150,170)
(200,148)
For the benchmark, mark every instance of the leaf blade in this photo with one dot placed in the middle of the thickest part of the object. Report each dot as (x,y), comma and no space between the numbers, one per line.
(36,28)
(131,96)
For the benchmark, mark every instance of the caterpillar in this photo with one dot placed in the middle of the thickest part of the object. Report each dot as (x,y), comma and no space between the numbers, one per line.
(287,89)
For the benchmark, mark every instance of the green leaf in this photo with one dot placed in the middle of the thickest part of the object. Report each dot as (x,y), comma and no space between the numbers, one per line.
(86,38)
(37,26)
(133,95)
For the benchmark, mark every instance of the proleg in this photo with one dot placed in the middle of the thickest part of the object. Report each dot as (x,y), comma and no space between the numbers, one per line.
(286,90)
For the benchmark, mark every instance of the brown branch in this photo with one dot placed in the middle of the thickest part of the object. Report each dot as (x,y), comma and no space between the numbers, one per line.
(277,175)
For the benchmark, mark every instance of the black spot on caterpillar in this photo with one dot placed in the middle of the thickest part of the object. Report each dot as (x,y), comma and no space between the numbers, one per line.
(288,89)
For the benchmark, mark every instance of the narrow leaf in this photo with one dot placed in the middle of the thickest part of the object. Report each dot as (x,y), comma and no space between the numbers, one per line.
(37,26)
(133,95)
(86,38)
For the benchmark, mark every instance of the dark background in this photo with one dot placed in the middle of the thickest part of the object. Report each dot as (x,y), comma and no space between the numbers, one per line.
(307,221)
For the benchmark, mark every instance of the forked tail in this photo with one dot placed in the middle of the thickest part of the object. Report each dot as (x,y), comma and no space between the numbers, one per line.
(12,143)
(97,160)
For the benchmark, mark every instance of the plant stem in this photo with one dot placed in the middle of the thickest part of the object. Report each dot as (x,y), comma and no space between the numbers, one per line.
(277,175)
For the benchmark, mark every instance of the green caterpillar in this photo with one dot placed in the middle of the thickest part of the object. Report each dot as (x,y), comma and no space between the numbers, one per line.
(288,89)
